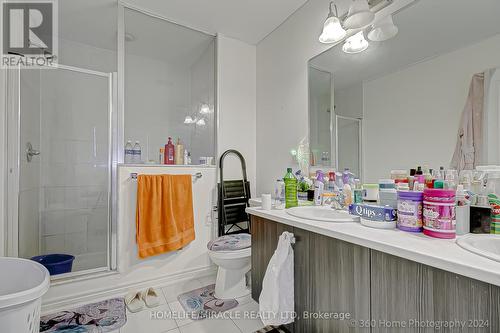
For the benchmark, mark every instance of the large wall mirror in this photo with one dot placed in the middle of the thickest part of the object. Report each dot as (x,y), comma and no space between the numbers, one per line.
(430,95)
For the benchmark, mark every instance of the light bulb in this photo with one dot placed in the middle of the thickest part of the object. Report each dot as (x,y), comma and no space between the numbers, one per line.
(332,31)
(205,109)
(201,122)
(188,120)
(355,44)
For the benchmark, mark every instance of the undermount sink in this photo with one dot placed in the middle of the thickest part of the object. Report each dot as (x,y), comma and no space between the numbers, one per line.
(325,214)
(484,245)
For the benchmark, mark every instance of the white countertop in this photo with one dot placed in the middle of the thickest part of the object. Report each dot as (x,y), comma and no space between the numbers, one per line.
(444,254)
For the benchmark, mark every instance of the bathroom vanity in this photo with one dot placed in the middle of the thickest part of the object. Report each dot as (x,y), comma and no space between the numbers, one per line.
(378,280)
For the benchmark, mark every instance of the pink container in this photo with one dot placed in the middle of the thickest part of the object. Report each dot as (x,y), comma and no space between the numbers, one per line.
(439,213)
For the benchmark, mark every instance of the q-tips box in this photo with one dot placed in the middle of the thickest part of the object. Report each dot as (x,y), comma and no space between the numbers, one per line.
(373,212)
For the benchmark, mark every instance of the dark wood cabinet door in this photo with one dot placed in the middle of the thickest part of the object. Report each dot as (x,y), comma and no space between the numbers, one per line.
(339,283)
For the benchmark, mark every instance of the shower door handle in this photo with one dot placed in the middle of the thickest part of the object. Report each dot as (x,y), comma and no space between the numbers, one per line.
(30,152)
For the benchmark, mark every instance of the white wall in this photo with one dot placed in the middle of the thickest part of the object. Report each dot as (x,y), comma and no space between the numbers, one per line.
(282,88)
(349,101)
(237,105)
(412,116)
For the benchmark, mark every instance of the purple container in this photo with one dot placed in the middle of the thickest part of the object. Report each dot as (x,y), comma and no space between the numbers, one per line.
(410,208)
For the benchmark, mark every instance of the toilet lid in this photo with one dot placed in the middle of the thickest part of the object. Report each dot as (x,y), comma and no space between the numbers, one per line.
(230,243)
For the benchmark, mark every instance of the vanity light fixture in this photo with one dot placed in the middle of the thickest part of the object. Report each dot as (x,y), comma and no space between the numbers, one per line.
(201,122)
(205,109)
(189,120)
(383,30)
(332,29)
(359,15)
(355,44)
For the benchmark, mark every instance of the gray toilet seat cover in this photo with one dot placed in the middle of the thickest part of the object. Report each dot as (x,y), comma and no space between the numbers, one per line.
(230,243)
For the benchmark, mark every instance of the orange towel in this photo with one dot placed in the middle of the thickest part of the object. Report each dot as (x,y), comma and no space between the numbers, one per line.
(164,219)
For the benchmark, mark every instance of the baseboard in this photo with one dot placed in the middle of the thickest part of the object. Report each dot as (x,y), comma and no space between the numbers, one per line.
(75,300)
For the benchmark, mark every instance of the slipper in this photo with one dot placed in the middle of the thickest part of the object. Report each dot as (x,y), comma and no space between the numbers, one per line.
(150,297)
(134,302)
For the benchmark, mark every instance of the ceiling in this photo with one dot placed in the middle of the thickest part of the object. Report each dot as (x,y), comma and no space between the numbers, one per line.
(426,29)
(94,22)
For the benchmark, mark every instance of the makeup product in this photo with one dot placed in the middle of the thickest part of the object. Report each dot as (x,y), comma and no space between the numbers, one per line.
(439,213)
(410,204)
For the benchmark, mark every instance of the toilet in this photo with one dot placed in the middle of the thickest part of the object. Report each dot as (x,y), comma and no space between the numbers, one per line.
(232,253)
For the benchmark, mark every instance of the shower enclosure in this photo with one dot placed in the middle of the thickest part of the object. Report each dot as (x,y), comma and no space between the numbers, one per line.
(61,131)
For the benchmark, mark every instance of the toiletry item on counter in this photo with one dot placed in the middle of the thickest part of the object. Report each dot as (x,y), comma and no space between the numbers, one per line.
(399,176)
(319,187)
(161,158)
(495,213)
(129,152)
(186,157)
(331,181)
(137,153)
(450,179)
(266,202)
(279,194)
(328,199)
(290,189)
(410,205)
(169,152)
(370,192)
(462,211)
(439,213)
(375,216)
(386,184)
(347,191)
(179,152)
(388,197)
(358,192)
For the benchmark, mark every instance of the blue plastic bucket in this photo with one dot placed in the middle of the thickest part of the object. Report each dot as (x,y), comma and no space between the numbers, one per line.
(56,263)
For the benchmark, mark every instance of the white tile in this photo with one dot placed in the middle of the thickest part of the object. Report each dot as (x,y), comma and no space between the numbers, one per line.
(76,221)
(75,243)
(145,321)
(179,314)
(53,244)
(172,291)
(53,223)
(211,326)
(246,317)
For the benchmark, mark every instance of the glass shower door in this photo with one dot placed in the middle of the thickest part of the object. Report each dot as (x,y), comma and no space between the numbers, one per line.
(64,177)
(348,140)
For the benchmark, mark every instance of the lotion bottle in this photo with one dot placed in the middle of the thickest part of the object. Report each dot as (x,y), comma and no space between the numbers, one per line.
(179,152)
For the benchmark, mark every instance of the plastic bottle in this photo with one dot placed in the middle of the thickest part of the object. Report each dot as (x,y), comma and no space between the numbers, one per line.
(169,152)
(290,189)
(161,159)
(347,195)
(186,157)
(137,153)
(358,191)
(462,212)
(331,182)
(279,194)
(129,152)
(319,187)
(179,152)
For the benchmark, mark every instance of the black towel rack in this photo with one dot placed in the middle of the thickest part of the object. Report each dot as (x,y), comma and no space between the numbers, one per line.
(233,199)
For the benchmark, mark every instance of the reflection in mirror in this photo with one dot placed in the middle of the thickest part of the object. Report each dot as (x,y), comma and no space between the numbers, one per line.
(428,96)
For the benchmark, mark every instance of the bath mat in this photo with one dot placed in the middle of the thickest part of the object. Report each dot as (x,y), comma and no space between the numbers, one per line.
(272,329)
(201,302)
(101,317)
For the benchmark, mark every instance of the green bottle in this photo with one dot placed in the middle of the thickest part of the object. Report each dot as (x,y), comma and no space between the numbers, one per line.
(290,189)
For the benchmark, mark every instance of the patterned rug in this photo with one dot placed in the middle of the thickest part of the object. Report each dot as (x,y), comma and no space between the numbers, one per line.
(98,317)
(199,303)
(272,329)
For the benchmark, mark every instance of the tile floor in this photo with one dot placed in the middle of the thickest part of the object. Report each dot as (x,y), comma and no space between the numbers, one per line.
(241,319)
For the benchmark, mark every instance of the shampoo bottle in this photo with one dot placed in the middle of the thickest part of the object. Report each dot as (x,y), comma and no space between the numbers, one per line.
(169,152)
